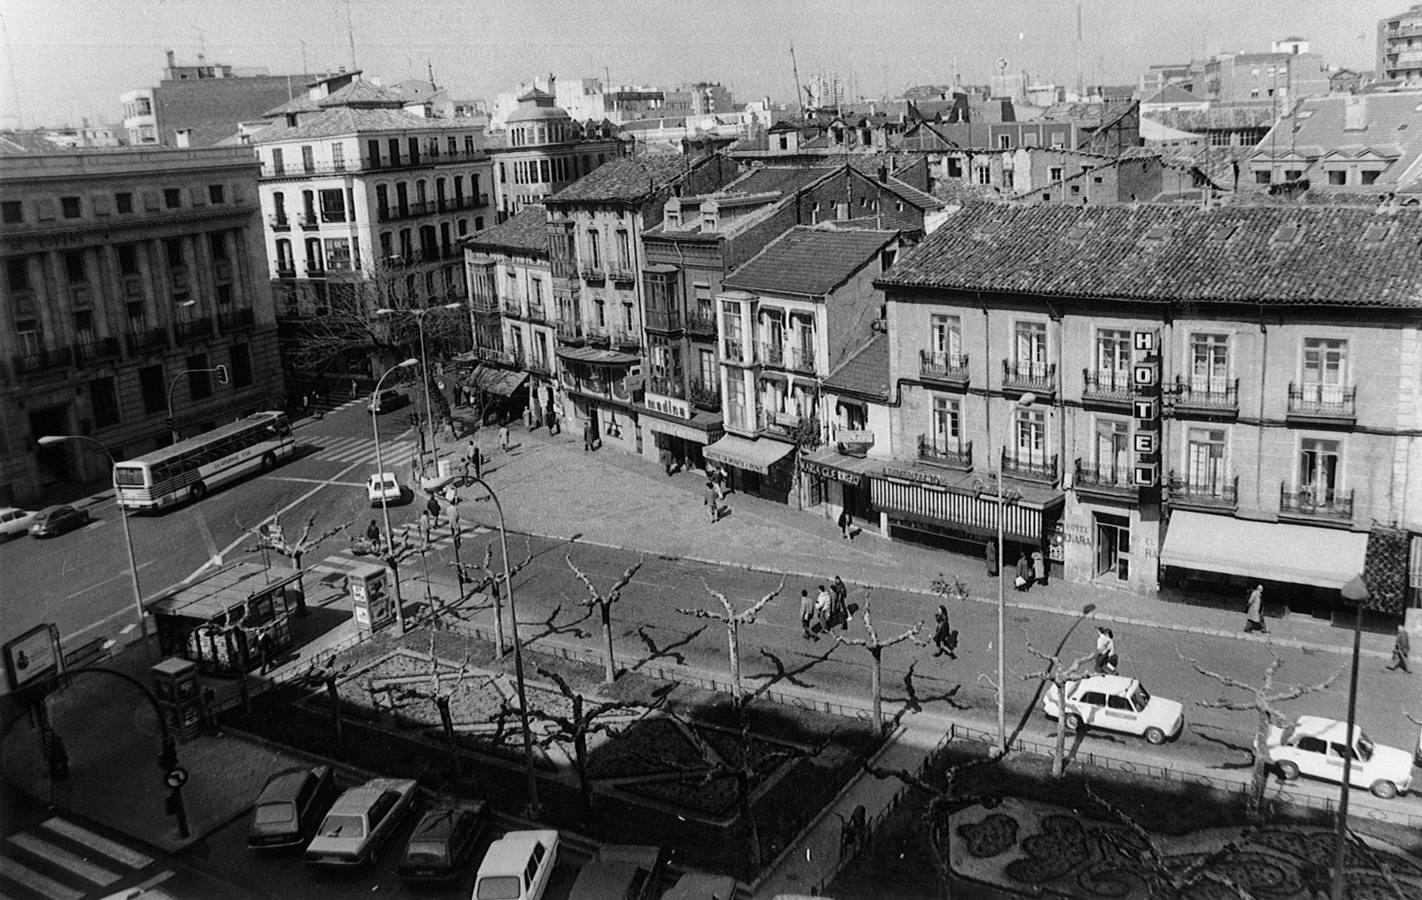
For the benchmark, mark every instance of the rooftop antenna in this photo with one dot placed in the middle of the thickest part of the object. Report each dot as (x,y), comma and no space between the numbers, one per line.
(429,67)
(795,70)
(350,35)
(1080,85)
(17,115)
(304,70)
(202,43)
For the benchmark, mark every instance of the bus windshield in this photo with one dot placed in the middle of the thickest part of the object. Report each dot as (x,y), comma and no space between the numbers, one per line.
(128,476)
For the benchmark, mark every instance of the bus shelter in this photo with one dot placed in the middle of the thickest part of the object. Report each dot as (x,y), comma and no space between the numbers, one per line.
(218,618)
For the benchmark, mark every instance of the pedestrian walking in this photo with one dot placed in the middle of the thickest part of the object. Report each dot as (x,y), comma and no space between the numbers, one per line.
(713,502)
(372,532)
(432,507)
(551,414)
(1105,650)
(305,402)
(944,637)
(264,649)
(1024,572)
(504,438)
(1401,647)
(1039,569)
(354,392)
(807,614)
(666,458)
(722,480)
(839,603)
(589,437)
(426,525)
(1254,613)
(846,522)
(823,605)
(475,459)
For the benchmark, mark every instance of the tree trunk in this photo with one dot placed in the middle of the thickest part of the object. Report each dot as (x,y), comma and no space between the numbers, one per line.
(1059,755)
(609,664)
(1255,803)
(733,638)
(580,765)
(301,609)
(336,714)
(747,816)
(876,674)
(447,723)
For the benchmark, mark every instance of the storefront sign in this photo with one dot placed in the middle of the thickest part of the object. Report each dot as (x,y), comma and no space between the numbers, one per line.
(825,471)
(854,436)
(32,656)
(787,419)
(916,476)
(668,406)
(1145,384)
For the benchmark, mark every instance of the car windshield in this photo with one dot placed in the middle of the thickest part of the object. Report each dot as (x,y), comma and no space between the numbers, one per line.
(501,887)
(425,851)
(1140,697)
(278,813)
(343,827)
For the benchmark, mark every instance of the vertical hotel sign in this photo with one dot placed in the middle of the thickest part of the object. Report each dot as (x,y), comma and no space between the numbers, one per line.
(1145,384)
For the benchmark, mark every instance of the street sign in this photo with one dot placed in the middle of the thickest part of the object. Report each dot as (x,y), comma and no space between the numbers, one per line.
(1145,386)
(176,777)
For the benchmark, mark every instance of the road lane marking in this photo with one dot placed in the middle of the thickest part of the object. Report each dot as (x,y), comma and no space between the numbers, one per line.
(61,857)
(82,591)
(355,484)
(36,882)
(214,558)
(126,855)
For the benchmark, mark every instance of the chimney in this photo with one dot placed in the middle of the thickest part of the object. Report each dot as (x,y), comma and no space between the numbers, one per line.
(183,137)
(883,174)
(170,59)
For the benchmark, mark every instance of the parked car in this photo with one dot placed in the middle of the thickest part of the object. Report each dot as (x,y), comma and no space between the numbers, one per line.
(699,886)
(621,872)
(1116,703)
(1316,746)
(360,821)
(442,843)
(382,487)
(14,522)
(517,866)
(387,400)
(290,807)
(59,519)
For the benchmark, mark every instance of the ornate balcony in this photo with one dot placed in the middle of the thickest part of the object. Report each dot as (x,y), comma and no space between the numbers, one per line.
(1203,493)
(1107,387)
(1207,398)
(779,424)
(511,308)
(701,323)
(772,354)
(705,397)
(946,368)
(539,364)
(1100,480)
(1308,504)
(621,273)
(592,273)
(309,221)
(1036,378)
(99,348)
(194,329)
(536,313)
(1322,404)
(626,340)
(44,361)
(279,223)
(570,331)
(1036,467)
(146,339)
(286,269)
(958,457)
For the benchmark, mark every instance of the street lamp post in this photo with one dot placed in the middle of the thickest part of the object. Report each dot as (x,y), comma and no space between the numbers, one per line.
(384,506)
(51,440)
(1022,402)
(1356,593)
(517,648)
(419,315)
(172,423)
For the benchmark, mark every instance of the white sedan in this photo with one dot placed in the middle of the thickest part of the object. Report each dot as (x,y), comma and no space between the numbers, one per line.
(360,821)
(1116,703)
(383,488)
(14,522)
(1316,747)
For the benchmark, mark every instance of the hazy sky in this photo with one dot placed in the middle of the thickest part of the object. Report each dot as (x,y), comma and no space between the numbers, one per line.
(66,59)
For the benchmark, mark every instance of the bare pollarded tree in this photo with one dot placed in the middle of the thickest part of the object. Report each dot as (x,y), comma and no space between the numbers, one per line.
(876,648)
(1058,673)
(733,621)
(1263,700)
(603,601)
(272,536)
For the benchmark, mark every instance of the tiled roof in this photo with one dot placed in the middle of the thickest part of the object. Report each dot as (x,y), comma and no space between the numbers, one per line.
(1257,254)
(363,93)
(866,373)
(1172,93)
(349,120)
(783,179)
(526,233)
(27,143)
(627,178)
(809,260)
(1389,125)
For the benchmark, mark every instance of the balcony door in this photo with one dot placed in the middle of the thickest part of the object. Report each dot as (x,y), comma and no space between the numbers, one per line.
(1113,450)
(1324,370)
(946,335)
(1031,437)
(1319,469)
(1113,359)
(1030,348)
(1209,363)
(1204,460)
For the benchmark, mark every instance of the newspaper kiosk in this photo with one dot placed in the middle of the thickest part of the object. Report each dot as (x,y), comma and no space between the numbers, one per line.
(215,620)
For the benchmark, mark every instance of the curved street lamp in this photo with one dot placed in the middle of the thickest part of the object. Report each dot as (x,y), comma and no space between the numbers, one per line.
(419,313)
(384,506)
(1023,402)
(51,440)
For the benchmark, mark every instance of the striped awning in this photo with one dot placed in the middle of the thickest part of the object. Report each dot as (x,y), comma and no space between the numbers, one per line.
(756,455)
(952,509)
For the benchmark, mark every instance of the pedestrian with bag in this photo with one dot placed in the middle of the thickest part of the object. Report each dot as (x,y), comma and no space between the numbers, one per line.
(1024,572)
(1254,612)
(944,637)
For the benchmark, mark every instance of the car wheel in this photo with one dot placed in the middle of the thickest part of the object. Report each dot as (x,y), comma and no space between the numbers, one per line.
(1384,790)
(268,461)
(197,491)
(1073,723)
(1154,736)
(1288,771)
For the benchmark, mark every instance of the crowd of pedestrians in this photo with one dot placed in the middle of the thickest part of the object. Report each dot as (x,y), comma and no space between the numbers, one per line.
(828,609)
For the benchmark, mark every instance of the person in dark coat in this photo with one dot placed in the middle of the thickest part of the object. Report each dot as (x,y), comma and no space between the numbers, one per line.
(1401,647)
(589,437)
(944,637)
(990,557)
(372,533)
(432,507)
(666,457)
(1024,572)
(839,603)
(846,522)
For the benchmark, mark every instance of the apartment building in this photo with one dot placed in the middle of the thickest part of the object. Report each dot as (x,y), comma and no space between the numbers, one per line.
(595,245)
(130,276)
(785,320)
(1352,143)
(1399,47)
(1282,440)
(357,191)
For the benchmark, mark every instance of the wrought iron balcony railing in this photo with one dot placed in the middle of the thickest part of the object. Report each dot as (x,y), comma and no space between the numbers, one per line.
(1102,479)
(1322,401)
(1202,491)
(1033,467)
(949,368)
(934,449)
(1315,504)
(1203,396)
(1038,378)
(1107,386)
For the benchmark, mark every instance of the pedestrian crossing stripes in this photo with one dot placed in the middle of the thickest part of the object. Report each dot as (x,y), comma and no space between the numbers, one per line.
(359,449)
(406,534)
(61,860)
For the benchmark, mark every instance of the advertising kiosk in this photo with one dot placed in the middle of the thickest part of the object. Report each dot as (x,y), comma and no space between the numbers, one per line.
(214,621)
(371,600)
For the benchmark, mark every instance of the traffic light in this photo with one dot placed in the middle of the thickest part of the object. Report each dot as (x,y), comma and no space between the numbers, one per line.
(221,374)
(168,756)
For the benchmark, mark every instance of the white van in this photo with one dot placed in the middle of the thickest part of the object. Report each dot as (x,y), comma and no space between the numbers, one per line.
(517,866)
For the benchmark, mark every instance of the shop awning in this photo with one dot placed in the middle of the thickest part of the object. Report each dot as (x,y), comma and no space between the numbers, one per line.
(596,356)
(1294,554)
(499,381)
(743,453)
(701,428)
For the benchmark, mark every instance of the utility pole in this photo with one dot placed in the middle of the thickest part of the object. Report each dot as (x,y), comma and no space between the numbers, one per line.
(796,71)
(350,35)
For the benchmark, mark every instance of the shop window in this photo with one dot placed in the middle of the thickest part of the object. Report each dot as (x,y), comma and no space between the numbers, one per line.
(1113,546)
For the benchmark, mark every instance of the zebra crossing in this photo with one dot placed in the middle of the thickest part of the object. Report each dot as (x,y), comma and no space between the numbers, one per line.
(361,449)
(408,534)
(62,860)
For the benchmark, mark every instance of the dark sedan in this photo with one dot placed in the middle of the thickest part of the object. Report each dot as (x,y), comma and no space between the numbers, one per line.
(59,519)
(290,807)
(442,843)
